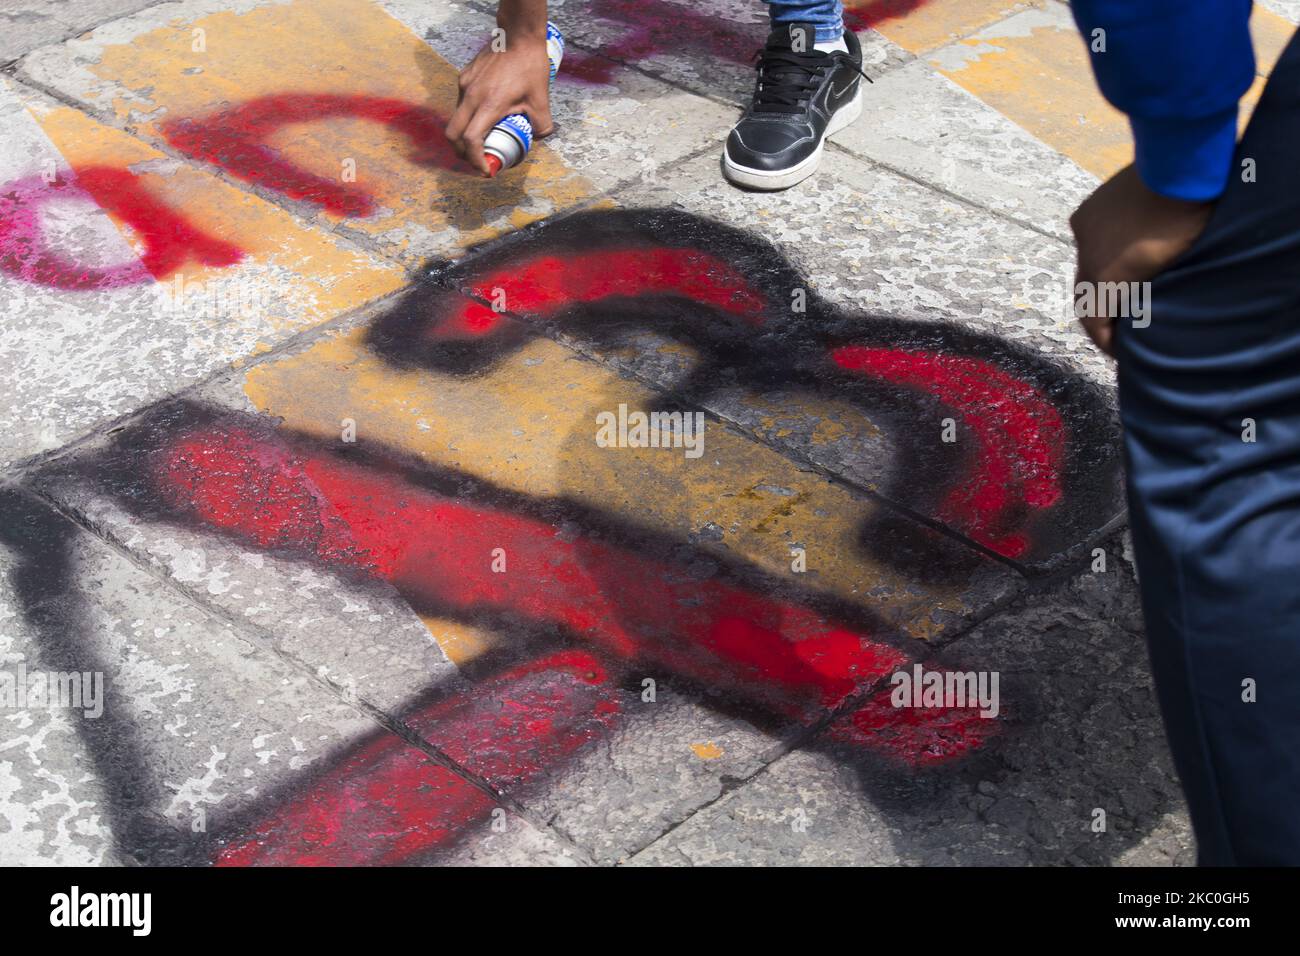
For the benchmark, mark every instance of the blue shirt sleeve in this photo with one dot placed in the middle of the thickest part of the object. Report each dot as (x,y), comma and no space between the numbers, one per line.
(1177,68)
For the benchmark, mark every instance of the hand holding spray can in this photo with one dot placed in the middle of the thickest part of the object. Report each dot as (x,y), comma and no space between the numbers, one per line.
(510,140)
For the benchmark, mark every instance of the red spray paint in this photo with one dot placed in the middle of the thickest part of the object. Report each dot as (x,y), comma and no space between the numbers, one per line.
(546,284)
(1019,438)
(169,239)
(387,802)
(438,551)
(237,140)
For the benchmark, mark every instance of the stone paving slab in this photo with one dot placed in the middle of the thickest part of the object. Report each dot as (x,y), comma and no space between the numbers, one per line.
(613,124)
(379,159)
(1082,734)
(29,24)
(963,147)
(1287,9)
(51,805)
(924,26)
(705,47)
(306,606)
(701,47)
(1033,67)
(318,529)
(92,333)
(871,279)
(197,727)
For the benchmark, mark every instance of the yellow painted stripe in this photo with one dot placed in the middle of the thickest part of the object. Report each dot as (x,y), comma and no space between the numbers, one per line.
(936,22)
(529,426)
(1033,68)
(307,275)
(337,47)
(1270,34)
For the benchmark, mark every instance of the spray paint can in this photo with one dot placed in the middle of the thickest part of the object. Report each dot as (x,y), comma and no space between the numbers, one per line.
(510,140)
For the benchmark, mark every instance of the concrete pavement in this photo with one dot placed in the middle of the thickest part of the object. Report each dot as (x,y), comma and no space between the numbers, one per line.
(341,543)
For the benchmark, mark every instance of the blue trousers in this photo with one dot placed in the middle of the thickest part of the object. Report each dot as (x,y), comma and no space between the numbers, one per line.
(1210,400)
(827,16)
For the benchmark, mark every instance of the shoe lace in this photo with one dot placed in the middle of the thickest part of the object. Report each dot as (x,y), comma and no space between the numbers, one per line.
(786,80)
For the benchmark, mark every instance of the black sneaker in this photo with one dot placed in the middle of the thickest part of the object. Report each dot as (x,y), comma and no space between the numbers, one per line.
(802,96)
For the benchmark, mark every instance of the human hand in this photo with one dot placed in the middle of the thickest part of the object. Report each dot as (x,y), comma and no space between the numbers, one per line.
(1127,233)
(497,83)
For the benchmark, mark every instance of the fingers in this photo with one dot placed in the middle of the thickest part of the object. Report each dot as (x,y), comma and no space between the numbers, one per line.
(468,128)
(1102,332)
(473,137)
(469,103)
(1090,312)
(457,124)
(540,115)
(495,85)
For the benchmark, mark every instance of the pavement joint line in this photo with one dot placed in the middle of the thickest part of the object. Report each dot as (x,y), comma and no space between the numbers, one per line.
(300,341)
(803,463)
(351,238)
(789,454)
(264,640)
(73,32)
(956,197)
(806,734)
(731,784)
(608,193)
(702,93)
(782,748)
(1107,532)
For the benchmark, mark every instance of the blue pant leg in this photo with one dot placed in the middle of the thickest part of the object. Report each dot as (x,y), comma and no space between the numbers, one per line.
(827,16)
(1216,518)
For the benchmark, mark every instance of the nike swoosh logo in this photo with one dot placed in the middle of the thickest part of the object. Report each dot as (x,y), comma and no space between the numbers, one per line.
(839,94)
